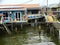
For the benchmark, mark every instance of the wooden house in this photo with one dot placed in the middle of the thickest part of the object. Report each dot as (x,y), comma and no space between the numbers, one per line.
(19,12)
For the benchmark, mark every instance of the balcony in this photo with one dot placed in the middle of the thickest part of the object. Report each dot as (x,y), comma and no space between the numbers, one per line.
(6,20)
(34,16)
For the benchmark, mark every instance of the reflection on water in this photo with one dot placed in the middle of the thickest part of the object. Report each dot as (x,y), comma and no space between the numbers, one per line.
(33,35)
(59,37)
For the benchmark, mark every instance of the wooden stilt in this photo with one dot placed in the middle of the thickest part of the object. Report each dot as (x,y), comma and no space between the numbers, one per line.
(12,26)
(59,36)
(39,31)
(36,22)
(16,29)
(21,26)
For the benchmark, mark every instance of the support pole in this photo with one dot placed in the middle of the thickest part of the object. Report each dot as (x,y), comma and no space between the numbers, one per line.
(36,22)
(16,29)
(12,26)
(21,26)
(59,36)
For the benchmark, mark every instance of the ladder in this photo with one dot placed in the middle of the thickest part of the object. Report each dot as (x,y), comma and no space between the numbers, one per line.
(7,29)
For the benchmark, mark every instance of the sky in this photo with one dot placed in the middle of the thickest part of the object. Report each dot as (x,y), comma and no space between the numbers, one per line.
(41,2)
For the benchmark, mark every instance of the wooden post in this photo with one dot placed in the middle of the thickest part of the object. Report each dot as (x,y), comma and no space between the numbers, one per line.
(36,22)
(1,19)
(21,26)
(12,26)
(16,29)
(59,36)
(39,31)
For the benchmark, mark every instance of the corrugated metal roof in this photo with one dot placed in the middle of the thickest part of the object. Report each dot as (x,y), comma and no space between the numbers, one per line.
(20,5)
(10,9)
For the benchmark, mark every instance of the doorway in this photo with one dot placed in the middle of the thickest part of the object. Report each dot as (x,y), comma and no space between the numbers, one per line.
(18,16)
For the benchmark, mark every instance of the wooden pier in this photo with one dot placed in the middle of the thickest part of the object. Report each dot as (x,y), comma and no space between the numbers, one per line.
(13,26)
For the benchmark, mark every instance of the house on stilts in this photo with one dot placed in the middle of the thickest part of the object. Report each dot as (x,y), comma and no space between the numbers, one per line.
(14,13)
(18,14)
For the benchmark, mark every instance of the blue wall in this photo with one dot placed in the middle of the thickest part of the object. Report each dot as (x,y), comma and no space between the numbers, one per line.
(12,15)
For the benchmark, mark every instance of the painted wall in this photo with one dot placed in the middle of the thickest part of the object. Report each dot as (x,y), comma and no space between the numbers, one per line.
(12,15)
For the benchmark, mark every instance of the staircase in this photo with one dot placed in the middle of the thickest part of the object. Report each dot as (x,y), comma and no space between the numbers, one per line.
(7,29)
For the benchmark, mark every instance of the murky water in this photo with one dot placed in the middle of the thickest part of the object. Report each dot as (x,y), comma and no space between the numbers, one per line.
(32,35)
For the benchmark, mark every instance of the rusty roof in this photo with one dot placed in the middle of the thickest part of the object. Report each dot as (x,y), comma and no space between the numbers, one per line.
(21,5)
(10,7)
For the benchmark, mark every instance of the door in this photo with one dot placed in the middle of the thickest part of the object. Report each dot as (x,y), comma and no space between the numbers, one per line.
(17,16)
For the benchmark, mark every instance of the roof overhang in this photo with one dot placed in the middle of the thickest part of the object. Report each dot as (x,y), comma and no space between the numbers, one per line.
(18,7)
(11,9)
(35,8)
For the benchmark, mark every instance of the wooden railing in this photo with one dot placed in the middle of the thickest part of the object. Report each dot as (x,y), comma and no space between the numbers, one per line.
(33,16)
(8,19)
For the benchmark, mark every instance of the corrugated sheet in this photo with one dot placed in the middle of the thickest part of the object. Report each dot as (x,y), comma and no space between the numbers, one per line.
(19,5)
(10,9)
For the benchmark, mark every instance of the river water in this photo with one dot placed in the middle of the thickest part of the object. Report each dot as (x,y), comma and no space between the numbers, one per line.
(32,35)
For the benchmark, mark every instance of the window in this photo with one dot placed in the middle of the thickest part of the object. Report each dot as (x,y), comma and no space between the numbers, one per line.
(33,11)
(6,14)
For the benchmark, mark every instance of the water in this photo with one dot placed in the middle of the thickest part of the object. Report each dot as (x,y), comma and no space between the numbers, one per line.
(32,35)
